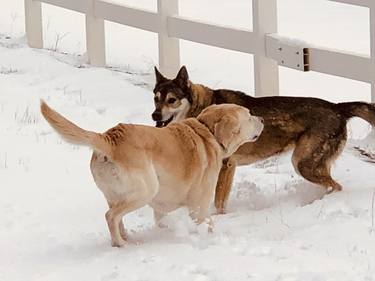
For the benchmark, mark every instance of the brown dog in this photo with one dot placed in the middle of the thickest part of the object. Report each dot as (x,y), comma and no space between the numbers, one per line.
(135,165)
(314,128)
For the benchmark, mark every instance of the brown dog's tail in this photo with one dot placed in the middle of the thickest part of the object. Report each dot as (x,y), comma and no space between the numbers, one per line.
(74,134)
(363,110)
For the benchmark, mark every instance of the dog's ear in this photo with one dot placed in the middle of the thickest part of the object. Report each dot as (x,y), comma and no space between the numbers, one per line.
(225,129)
(182,78)
(159,77)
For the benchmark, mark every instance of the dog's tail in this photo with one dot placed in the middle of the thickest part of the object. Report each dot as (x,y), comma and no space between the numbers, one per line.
(363,110)
(74,134)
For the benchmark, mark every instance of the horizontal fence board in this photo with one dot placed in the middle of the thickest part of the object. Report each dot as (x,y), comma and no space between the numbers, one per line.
(363,3)
(138,18)
(342,64)
(75,5)
(322,60)
(241,40)
(288,53)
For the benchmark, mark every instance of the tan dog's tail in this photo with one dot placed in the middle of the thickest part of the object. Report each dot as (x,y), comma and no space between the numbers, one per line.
(74,134)
(362,110)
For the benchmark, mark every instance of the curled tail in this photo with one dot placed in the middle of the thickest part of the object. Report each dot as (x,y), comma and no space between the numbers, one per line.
(363,110)
(74,134)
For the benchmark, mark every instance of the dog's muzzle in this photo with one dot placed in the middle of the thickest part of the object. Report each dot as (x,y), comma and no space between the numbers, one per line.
(158,118)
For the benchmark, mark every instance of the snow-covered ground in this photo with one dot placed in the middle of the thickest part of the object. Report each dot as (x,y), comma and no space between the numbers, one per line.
(52,223)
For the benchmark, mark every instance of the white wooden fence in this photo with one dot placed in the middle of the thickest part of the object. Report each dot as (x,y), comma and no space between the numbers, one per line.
(268,48)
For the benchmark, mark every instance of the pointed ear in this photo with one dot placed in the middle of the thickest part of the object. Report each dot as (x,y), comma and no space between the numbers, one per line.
(225,129)
(159,77)
(182,77)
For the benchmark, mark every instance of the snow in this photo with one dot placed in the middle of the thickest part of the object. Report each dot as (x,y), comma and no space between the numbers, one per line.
(278,226)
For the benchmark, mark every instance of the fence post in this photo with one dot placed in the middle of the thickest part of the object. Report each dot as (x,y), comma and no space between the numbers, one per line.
(372,44)
(33,24)
(95,36)
(265,70)
(169,48)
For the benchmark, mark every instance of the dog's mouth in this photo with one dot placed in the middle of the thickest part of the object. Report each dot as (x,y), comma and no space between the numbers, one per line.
(160,124)
(255,138)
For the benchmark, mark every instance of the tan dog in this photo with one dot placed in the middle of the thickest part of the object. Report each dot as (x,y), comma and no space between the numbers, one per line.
(135,165)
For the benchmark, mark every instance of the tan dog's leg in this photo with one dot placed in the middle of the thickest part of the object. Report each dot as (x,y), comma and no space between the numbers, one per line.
(146,188)
(224,185)
(114,218)
(200,199)
(123,233)
(121,226)
(200,214)
(158,217)
(313,157)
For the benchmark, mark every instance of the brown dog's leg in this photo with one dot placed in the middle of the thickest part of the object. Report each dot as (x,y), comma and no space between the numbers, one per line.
(313,157)
(224,185)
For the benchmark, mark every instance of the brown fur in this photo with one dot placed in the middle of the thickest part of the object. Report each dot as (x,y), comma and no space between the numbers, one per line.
(135,165)
(315,128)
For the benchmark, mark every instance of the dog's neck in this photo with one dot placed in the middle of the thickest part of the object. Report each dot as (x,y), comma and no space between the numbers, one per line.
(212,133)
(184,113)
(206,128)
(201,98)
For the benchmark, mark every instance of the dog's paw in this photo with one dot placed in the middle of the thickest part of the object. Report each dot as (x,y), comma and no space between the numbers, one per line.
(162,225)
(220,211)
(332,189)
(118,243)
(124,235)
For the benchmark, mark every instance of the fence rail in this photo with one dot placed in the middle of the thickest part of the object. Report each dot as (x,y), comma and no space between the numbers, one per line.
(269,50)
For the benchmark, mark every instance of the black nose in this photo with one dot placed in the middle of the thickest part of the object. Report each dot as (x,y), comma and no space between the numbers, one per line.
(156,116)
(261,119)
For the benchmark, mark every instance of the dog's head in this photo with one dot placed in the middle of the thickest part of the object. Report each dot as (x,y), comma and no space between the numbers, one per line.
(172,98)
(232,125)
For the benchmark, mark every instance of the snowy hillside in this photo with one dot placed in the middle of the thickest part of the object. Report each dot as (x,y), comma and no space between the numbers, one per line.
(52,223)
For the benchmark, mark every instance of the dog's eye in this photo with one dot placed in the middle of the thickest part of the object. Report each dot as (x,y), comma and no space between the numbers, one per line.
(156,99)
(171,100)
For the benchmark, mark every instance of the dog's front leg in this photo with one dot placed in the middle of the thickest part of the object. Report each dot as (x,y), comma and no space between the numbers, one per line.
(200,216)
(224,185)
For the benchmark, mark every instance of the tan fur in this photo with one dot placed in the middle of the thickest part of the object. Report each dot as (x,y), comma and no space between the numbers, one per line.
(74,134)
(135,165)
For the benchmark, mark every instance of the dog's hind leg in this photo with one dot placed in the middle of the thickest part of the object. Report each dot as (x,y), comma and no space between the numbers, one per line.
(123,233)
(224,185)
(314,155)
(121,227)
(141,190)
(113,219)
(115,214)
